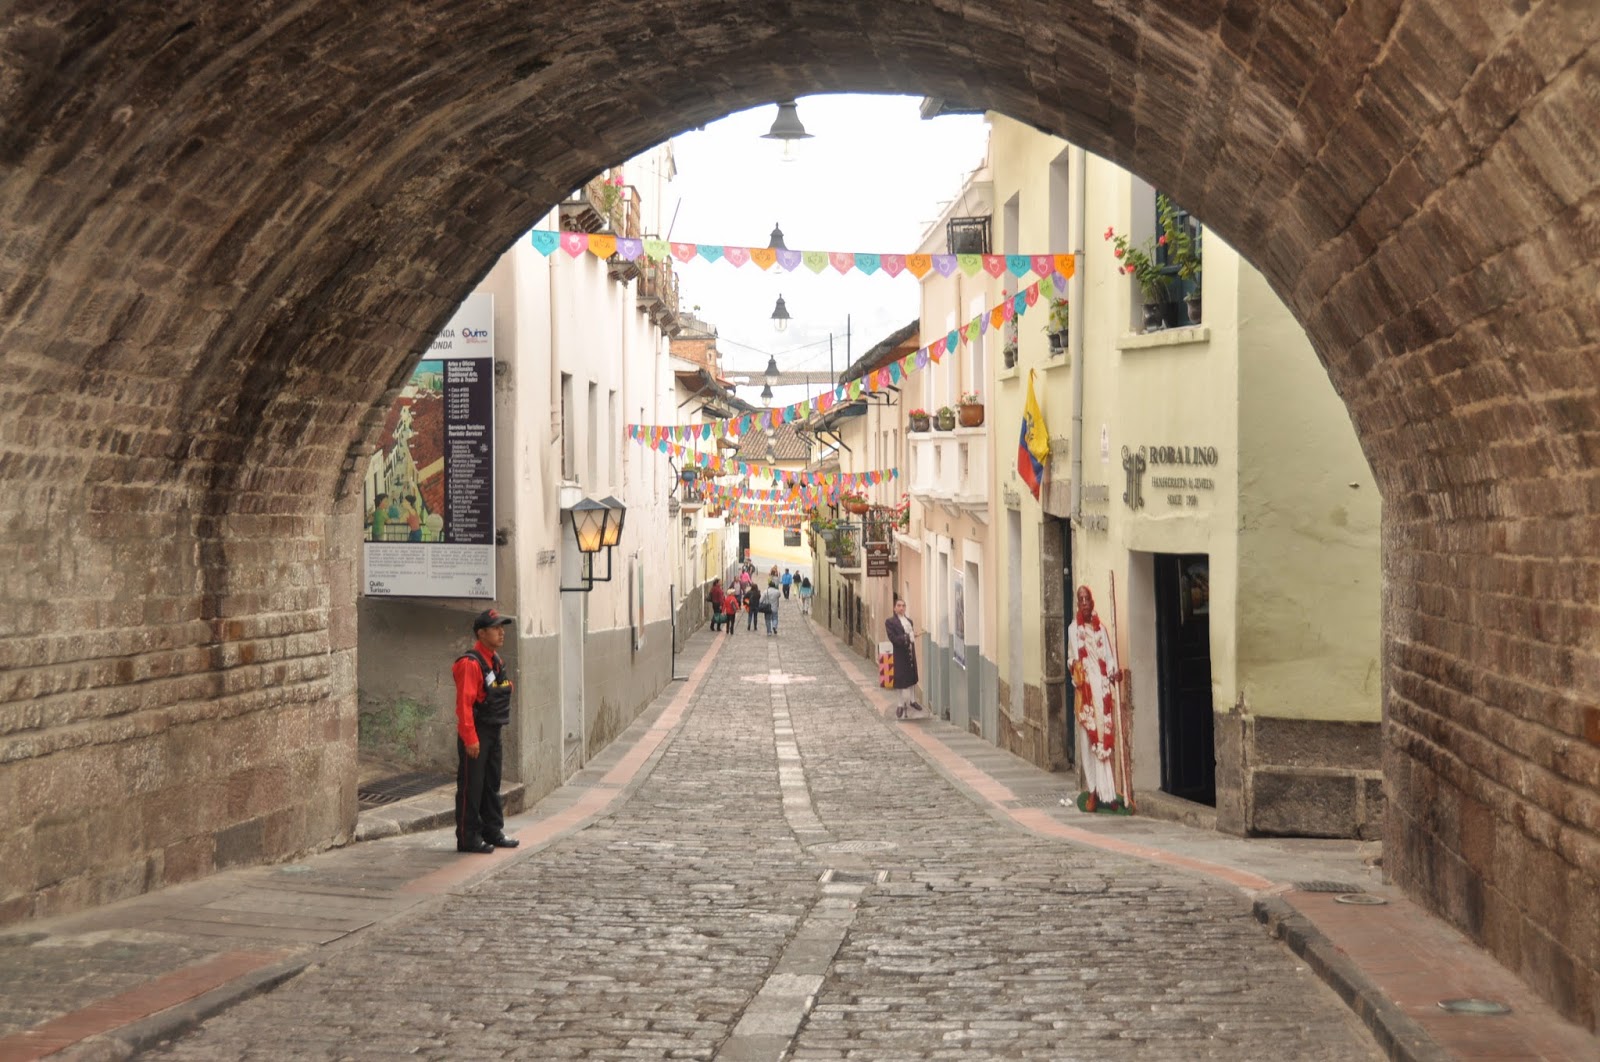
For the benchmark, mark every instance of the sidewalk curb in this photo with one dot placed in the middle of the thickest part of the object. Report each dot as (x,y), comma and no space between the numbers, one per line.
(128,1040)
(1401,1038)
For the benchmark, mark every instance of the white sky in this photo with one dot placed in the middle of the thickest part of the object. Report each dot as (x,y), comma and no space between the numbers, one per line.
(873,177)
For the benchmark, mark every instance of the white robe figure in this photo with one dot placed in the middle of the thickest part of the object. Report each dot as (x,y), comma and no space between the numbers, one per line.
(1092,663)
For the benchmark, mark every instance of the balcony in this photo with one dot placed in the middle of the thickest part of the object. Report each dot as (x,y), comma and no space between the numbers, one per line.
(658,295)
(951,468)
(598,206)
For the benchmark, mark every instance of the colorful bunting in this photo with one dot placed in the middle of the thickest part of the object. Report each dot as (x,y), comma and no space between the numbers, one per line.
(606,245)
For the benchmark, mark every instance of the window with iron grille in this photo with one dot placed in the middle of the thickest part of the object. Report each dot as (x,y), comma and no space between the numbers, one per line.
(967,235)
(1180,289)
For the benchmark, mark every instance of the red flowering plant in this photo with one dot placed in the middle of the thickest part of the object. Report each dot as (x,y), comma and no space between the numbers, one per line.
(1140,262)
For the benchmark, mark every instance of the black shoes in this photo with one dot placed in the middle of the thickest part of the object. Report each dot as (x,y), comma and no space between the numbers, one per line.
(504,842)
(477,847)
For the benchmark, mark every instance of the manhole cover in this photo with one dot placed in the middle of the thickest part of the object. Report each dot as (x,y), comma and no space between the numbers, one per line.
(1326,886)
(1360,899)
(857,846)
(399,787)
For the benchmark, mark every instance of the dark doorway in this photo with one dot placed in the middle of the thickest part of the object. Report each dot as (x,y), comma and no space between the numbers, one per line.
(1183,670)
(744,545)
(1058,594)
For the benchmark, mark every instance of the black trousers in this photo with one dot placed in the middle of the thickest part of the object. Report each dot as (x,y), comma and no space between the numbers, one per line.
(479,816)
(752,624)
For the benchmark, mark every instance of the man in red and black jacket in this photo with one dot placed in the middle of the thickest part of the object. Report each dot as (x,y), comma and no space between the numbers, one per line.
(483,708)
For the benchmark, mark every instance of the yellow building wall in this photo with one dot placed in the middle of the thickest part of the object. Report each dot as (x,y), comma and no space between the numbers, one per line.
(1309,578)
(1293,548)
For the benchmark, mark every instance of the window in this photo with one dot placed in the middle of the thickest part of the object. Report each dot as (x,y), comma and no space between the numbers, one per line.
(568,458)
(592,469)
(1012,222)
(967,235)
(791,536)
(613,433)
(1184,222)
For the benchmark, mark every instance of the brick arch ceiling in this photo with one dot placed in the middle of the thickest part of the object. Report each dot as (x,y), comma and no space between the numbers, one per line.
(225,231)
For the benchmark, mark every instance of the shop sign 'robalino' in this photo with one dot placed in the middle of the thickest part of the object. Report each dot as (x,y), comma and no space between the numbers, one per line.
(1134,464)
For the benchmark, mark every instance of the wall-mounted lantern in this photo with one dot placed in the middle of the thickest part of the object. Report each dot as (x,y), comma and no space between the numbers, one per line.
(596,525)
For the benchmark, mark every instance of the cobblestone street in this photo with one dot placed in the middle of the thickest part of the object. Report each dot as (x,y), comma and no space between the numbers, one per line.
(792,880)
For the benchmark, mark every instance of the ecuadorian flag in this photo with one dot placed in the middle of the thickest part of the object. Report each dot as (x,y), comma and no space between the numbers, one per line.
(1033,448)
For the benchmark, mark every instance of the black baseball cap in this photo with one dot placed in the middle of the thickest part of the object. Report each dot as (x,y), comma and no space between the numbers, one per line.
(491,618)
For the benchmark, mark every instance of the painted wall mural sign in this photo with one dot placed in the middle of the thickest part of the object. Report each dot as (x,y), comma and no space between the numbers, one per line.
(428,493)
(1180,490)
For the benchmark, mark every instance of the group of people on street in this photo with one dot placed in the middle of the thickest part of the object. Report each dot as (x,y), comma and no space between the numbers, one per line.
(749,595)
(483,695)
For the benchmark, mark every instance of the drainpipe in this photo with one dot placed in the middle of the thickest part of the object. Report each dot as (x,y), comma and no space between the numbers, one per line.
(1075,174)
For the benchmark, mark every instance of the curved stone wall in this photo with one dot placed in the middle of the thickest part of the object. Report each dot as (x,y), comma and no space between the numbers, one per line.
(226,232)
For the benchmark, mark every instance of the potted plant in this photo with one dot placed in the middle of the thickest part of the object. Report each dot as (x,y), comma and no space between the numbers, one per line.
(971,409)
(853,503)
(919,419)
(1140,263)
(945,419)
(1060,319)
(1008,352)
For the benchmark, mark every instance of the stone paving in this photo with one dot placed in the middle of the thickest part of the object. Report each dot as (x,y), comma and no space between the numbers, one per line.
(793,880)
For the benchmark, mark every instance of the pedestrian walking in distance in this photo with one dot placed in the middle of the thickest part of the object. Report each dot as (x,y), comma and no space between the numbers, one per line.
(769,605)
(730,609)
(903,636)
(752,604)
(788,581)
(483,708)
(715,597)
(806,590)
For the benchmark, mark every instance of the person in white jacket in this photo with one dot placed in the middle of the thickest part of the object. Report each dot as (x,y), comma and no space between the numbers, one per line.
(770,599)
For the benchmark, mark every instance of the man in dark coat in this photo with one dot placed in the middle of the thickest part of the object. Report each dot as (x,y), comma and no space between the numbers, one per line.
(752,603)
(903,636)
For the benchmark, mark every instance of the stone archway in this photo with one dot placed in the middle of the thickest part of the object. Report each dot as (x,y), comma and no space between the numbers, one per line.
(224,236)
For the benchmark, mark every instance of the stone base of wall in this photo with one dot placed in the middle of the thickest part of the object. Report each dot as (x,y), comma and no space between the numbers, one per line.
(621,681)
(1298,777)
(1028,737)
(128,812)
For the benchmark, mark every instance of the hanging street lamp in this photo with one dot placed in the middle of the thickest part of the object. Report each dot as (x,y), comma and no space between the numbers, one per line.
(787,128)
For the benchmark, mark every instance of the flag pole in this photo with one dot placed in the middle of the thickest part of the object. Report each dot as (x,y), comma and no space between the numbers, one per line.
(1124,707)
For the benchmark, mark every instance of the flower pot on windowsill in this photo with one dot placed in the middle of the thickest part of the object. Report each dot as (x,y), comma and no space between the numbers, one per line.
(945,421)
(1192,304)
(922,423)
(1155,316)
(971,414)
(1058,342)
(856,507)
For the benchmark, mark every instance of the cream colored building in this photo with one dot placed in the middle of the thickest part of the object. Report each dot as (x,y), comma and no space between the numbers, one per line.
(948,553)
(1205,483)
(858,580)
(588,662)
